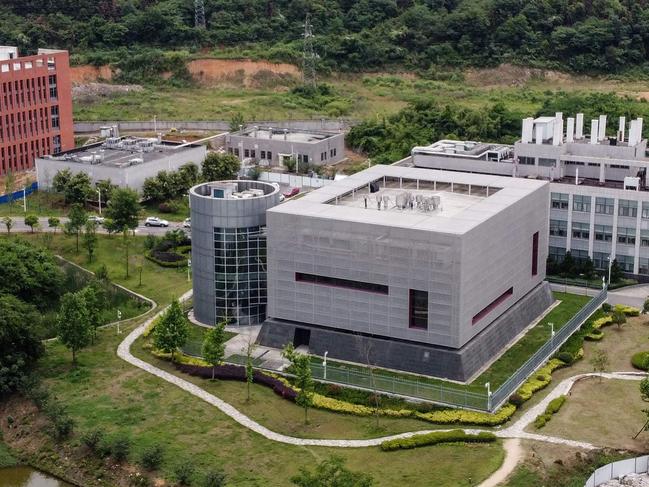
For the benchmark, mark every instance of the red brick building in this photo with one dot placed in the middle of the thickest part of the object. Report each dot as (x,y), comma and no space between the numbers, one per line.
(35,107)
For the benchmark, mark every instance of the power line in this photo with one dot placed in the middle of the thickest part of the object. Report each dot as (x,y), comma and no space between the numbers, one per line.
(309,57)
(199,14)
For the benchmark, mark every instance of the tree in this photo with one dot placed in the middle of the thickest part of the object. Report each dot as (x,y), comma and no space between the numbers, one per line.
(20,348)
(171,331)
(77,218)
(9,223)
(31,221)
(92,294)
(619,318)
(600,362)
(53,222)
(139,267)
(217,167)
(78,188)
(332,473)
(90,239)
(250,371)
(73,326)
(237,122)
(301,368)
(61,180)
(616,271)
(123,210)
(214,346)
(365,347)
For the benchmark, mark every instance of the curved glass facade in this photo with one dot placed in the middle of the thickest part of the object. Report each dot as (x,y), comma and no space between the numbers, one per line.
(240,274)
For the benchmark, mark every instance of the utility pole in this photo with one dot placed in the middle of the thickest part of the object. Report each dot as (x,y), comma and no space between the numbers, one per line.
(309,57)
(199,14)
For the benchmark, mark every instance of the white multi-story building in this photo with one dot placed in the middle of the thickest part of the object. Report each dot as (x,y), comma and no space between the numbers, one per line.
(599,199)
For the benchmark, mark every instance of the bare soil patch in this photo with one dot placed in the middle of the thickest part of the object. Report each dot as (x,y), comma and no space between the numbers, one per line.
(91,92)
(242,72)
(80,75)
(510,75)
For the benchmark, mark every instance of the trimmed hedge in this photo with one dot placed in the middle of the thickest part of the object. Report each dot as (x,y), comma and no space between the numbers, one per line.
(627,310)
(237,372)
(640,360)
(599,323)
(435,438)
(459,416)
(174,264)
(540,380)
(552,408)
(594,336)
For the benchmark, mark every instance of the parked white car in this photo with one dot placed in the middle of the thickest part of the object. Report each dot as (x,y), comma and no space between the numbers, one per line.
(99,220)
(187,223)
(154,221)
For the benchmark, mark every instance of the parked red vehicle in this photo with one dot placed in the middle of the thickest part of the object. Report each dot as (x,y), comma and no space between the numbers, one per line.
(291,192)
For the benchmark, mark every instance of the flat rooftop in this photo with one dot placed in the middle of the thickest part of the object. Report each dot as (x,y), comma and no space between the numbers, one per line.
(424,199)
(125,152)
(290,135)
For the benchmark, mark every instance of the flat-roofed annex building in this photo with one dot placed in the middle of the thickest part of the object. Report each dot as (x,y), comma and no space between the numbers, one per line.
(272,146)
(435,271)
(35,107)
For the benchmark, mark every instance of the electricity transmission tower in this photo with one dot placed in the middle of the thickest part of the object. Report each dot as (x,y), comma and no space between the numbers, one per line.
(309,57)
(199,14)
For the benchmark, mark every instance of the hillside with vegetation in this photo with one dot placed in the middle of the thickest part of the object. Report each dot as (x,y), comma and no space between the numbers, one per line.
(593,36)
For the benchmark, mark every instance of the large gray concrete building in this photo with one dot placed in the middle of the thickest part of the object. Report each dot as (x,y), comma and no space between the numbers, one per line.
(125,161)
(272,147)
(229,250)
(435,272)
(599,203)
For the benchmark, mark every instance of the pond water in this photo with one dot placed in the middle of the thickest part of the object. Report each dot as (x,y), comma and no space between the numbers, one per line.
(28,477)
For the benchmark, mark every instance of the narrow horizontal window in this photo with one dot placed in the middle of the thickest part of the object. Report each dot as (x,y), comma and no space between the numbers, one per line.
(485,311)
(341,283)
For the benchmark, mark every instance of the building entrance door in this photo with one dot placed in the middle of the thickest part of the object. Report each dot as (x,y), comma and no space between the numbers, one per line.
(301,337)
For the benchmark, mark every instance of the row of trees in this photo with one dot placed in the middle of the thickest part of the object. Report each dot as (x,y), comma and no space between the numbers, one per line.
(600,36)
(167,186)
(77,188)
(572,268)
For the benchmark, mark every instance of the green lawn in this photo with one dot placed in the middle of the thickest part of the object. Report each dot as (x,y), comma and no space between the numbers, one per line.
(194,345)
(179,214)
(105,392)
(158,283)
(40,203)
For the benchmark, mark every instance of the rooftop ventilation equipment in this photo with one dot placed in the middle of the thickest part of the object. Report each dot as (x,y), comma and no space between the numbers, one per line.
(579,126)
(135,160)
(112,142)
(632,183)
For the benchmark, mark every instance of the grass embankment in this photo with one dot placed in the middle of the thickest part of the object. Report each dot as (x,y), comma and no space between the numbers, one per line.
(6,458)
(40,203)
(357,96)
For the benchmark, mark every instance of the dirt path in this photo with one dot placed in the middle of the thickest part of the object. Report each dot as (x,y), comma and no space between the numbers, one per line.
(513,455)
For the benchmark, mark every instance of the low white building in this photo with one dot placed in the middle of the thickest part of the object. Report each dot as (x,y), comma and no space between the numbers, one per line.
(125,161)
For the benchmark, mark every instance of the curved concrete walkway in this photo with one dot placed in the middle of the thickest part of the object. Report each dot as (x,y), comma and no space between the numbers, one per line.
(515,432)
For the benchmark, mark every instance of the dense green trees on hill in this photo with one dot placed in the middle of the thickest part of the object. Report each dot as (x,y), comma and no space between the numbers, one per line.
(581,36)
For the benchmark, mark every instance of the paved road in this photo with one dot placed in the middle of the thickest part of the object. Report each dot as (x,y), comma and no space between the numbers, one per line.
(629,296)
(19,226)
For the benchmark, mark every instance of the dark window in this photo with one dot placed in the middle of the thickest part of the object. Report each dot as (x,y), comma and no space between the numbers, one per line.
(418,309)
(342,283)
(486,310)
(535,254)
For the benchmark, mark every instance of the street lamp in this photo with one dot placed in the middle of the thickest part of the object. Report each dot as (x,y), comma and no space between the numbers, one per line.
(488,387)
(25,199)
(324,364)
(551,325)
(189,266)
(610,264)
(99,192)
(119,318)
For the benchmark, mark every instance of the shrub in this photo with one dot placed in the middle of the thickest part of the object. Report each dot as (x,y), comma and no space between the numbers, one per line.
(92,439)
(566,357)
(184,473)
(174,263)
(606,308)
(627,310)
(62,426)
(645,306)
(552,408)
(120,448)
(516,400)
(460,416)
(640,360)
(102,273)
(594,336)
(214,478)
(542,379)
(436,438)
(167,207)
(152,457)
(138,480)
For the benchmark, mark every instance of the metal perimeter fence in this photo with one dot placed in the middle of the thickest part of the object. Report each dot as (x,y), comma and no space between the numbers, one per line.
(449,393)
(618,469)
